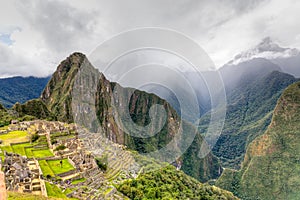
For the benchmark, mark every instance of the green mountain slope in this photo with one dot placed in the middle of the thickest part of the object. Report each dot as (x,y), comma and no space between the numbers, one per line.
(20,89)
(35,108)
(249,111)
(58,98)
(271,168)
(7,115)
(168,183)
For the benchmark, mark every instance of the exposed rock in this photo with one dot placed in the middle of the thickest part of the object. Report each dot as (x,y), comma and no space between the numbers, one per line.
(98,109)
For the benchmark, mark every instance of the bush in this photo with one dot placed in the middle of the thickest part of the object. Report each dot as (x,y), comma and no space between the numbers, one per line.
(102,162)
(34,137)
(60,147)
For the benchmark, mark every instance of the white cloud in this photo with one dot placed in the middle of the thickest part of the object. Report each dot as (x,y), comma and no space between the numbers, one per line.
(277,19)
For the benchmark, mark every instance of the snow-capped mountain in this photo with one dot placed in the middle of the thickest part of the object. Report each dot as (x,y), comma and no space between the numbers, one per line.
(266,49)
(288,59)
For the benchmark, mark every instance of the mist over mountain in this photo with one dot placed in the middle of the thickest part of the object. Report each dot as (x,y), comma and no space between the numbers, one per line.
(248,113)
(286,58)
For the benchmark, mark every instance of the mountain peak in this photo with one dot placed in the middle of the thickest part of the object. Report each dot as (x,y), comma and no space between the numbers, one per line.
(73,60)
(77,55)
(267,49)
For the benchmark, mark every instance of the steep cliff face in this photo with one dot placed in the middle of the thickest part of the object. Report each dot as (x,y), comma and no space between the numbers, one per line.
(271,166)
(57,93)
(66,97)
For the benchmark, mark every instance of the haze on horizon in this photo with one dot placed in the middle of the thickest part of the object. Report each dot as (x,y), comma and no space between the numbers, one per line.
(36,35)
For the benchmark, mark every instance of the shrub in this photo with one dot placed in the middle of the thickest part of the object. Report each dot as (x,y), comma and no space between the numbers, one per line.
(102,162)
(34,137)
(60,147)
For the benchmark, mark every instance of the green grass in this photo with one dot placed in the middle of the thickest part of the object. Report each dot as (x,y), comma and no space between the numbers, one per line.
(81,180)
(2,157)
(45,168)
(4,128)
(43,153)
(7,149)
(19,148)
(14,137)
(57,168)
(69,190)
(54,191)
(28,152)
(15,196)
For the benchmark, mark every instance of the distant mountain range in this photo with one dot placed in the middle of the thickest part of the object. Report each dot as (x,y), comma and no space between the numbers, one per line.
(20,89)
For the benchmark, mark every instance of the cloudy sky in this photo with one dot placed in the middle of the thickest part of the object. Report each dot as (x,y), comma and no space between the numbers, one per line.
(35,35)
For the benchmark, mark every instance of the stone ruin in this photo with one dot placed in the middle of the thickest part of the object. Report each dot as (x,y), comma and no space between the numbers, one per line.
(22,175)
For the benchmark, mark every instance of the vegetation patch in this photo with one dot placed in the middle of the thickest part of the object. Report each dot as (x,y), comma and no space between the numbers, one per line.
(60,147)
(20,148)
(59,167)
(54,191)
(23,196)
(47,171)
(7,149)
(169,183)
(34,137)
(14,137)
(42,153)
(81,180)
(102,162)
(28,152)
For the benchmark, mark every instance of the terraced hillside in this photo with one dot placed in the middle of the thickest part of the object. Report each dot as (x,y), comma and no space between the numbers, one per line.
(62,166)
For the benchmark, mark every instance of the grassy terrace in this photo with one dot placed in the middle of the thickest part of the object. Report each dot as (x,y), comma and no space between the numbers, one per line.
(43,153)
(57,168)
(15,195)
(20,148)
(53,167)
(46,168)
(54,191)
(18,142)
(14,137)
(81,180)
